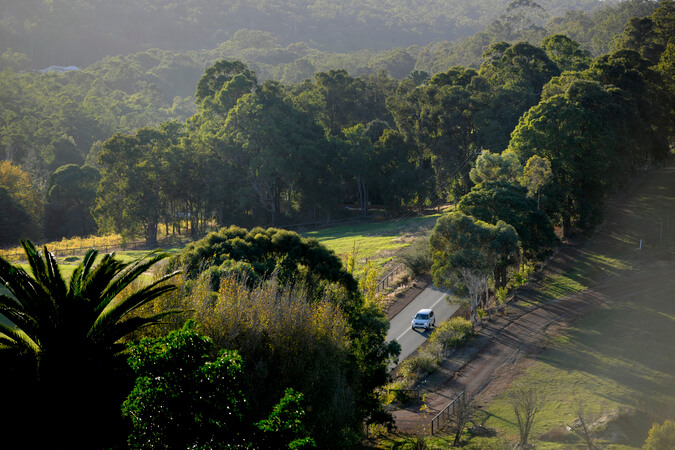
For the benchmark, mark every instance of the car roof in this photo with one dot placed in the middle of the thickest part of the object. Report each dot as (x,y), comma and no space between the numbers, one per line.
(424,311)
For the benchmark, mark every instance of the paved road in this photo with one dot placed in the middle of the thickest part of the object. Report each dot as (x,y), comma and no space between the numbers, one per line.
(410,339)
(503,338)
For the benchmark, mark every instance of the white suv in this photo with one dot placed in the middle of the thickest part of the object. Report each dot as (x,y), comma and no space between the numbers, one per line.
(424,319)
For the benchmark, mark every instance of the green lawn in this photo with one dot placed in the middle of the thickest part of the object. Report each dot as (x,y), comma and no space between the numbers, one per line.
(376,242)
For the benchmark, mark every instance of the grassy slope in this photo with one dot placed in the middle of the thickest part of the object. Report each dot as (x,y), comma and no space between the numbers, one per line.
(620,358)
(375,242)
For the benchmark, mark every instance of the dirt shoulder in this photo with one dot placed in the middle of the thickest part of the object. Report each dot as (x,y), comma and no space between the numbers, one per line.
(509,343)
(402,299)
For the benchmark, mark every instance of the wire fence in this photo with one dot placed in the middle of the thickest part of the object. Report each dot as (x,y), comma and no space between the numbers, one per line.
(446,414)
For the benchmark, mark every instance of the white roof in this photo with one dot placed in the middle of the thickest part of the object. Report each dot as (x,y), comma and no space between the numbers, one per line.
(59,69)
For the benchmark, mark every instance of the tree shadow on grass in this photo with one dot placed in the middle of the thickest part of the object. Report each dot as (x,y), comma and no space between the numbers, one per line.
(626,345)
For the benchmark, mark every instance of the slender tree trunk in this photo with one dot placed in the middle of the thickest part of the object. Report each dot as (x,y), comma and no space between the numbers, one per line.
(276,204)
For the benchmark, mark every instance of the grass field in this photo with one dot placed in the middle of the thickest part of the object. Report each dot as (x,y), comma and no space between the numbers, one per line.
(619,360)
(376,242)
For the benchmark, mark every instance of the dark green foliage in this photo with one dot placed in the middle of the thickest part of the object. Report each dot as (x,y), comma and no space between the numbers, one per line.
(13,219)
(184,396)
(300,266)
(71,195)
(187,396)
(586,135)
(372,356)
(520,65)
(565,52)
(135,180)
(467,253)
(495,201)
(223,84)
(292,258)
(284,427)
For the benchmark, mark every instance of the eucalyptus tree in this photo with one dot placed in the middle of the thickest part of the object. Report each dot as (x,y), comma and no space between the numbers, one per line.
(134,180)
(71,194)
(337,96)
(467,253)
(493,201)
(276,148)
(222,85)
(584,135)
(490,166)
(566,53)
(643,86)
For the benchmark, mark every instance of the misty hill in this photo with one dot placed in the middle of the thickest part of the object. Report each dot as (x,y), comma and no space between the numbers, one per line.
(79,32)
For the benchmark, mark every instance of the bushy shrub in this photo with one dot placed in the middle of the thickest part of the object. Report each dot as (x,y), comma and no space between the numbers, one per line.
(286,339)
(452,333)
(417,256)
(420,365)
(661,436)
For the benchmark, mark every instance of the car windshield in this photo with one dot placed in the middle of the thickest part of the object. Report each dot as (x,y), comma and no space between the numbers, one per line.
(422,316)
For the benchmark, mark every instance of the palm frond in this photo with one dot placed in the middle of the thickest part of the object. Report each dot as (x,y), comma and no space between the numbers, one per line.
(132,324)
(81,272)
(27,292)
(16,337)
(56,283)
(134,270)
(18,317)
(115,311)
(100,277)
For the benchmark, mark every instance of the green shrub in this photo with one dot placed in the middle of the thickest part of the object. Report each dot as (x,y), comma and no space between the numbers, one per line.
(398,390)
(661,436)
(417,256)
(452,333)
(419,365)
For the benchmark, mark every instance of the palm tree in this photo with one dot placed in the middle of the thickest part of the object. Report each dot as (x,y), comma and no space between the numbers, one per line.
(74,329)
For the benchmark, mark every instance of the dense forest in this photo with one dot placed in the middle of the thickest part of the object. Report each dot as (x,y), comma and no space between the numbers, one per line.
(390,137)
(79,32)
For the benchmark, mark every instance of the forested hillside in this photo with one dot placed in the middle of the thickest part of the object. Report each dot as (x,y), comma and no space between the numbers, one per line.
(263,152)
(79,32)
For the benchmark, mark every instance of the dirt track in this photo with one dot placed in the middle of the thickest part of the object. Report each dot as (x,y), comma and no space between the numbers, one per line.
(508,343)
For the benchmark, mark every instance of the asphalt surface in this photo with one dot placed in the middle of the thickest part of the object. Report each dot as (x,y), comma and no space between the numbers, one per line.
(400,329)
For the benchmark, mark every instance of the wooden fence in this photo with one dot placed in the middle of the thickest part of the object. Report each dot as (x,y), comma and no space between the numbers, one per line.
(105,247)
(445,415)
(384,283)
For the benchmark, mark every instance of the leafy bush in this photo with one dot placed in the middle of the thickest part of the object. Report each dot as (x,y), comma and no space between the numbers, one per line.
(452,333)
(399,390)
(288,338)
(185,397)
(163,406)
(417,256)
(420,365)
(661,436)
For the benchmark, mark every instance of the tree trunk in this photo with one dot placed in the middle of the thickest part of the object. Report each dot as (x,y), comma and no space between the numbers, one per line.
(276,204)
(151,233)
